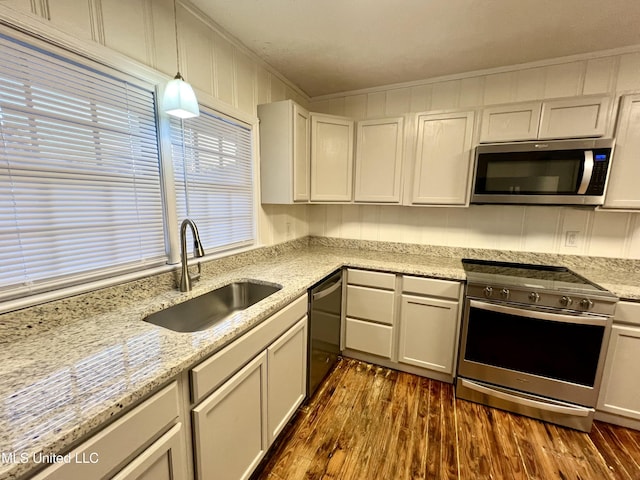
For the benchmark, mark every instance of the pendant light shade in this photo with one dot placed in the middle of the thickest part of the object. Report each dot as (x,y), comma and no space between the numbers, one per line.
(179,99)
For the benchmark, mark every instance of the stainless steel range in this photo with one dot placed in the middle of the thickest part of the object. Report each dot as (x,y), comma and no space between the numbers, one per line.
(533,341)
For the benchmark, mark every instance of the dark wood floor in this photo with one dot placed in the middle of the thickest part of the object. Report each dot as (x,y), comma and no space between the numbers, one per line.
(372,423)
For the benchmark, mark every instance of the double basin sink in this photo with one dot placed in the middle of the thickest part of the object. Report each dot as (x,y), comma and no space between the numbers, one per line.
(204,311)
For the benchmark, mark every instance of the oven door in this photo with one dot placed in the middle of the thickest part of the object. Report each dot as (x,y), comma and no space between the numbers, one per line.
(539,351)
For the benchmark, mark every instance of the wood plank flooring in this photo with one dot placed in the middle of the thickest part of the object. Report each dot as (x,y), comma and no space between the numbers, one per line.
(369,422)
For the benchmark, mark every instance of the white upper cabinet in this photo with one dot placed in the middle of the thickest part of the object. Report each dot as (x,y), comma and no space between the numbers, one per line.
(510,122)
(443,159)
(331,158)
(553,119)
(576,117)
(622,190)
(379,160)
(284,152)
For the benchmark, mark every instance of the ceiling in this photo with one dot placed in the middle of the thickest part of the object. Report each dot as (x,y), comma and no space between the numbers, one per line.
(329,46)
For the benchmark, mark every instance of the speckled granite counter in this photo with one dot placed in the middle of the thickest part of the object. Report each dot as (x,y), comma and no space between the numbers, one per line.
(60,384)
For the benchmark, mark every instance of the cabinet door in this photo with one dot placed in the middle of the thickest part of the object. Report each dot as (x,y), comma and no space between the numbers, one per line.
(331,158)
(579,117)
(164,460)
(622,189)
(510,122)
(443,159)
(301,154)
(284,152)
(620,390)
(230,434)
(287,376)
(428,329)
(379,160)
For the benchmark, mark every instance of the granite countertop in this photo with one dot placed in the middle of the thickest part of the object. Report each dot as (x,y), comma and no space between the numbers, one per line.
(60,386)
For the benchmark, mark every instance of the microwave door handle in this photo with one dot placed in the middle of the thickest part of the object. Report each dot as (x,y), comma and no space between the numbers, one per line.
(587,172)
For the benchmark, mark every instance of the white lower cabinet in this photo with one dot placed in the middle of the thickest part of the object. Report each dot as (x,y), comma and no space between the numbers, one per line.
(619,399)
(160,460)
(370,312)
(230,431)
(128,446)
(403,322)
(240,414)
(286,377)
(620,390)
(428,332)
(429,323)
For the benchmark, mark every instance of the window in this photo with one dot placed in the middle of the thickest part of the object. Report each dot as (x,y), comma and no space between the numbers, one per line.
(80,189)
(212,166)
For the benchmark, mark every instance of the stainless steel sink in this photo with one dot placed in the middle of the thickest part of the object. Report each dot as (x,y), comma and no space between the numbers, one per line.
(200,313)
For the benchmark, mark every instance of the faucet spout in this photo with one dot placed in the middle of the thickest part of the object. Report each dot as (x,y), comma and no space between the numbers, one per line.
(186,279)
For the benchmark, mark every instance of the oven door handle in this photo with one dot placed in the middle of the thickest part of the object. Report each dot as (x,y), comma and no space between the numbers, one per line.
(527,402)
(540,315)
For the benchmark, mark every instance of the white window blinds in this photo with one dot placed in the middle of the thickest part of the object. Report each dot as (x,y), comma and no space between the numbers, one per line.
(79,176)
(212,163)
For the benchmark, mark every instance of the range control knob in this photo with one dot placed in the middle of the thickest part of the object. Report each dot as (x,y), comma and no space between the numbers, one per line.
(566,301)
(488,291)
(534,297)
(586,304)
(504,293)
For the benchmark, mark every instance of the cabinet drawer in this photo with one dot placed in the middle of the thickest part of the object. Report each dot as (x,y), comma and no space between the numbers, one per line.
(370,304)
(627,312)
(211,373)
(372,279)
(368,337)
(431,286)
(119,441)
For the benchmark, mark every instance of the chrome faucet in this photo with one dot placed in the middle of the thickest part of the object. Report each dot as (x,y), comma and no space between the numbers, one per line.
(198,251)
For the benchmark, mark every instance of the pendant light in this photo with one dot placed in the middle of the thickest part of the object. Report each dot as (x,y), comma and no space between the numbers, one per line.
(179,99)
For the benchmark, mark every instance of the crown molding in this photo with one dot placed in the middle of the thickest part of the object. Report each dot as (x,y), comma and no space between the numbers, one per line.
(484,72)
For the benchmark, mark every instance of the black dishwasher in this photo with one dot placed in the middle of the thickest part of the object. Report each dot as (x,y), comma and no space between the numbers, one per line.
(325,307)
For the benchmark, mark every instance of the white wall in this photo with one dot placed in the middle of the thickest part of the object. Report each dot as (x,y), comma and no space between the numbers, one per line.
(225,70)
(540,229)
(535,229)
(211,61)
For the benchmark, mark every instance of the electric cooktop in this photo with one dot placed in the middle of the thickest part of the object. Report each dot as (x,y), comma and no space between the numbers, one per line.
(542,285)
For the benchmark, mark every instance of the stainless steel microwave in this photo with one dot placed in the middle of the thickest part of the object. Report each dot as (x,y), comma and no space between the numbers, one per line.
(558,172)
